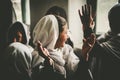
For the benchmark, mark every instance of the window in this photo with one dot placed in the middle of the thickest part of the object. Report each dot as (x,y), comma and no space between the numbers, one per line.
(22,10)
(17,9)
(103,6)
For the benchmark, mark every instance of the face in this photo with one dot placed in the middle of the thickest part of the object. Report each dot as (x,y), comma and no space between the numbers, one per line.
(18,38)
(25,36)
(62,37)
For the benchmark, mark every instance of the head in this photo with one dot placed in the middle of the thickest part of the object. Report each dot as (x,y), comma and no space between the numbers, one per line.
(114,18)
(56,10)
(18,32)
(49,31)
(63,32)
(59,11)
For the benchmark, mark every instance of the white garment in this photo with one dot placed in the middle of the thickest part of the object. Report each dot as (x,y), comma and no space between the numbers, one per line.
(70,58)
(46,31)
(27,32)
(20,58)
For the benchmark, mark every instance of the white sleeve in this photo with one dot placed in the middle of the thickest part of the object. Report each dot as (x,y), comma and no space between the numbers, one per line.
(72,60)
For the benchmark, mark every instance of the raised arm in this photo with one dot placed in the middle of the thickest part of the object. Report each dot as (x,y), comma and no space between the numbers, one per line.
(89,36)
(44,53)
(86,20)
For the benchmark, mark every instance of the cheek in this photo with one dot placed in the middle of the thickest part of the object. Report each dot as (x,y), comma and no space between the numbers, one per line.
(64,38)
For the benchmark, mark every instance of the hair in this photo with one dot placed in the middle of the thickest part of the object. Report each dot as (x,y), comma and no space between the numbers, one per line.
(12,32)
(114,18)
(56,10)
(61,23)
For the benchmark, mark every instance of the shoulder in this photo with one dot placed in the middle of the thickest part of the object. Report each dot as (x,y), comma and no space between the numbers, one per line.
(18,46)
(68,49)
(68,46)
(20,49)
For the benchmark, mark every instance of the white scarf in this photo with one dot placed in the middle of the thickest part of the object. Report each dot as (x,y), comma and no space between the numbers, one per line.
(46,31)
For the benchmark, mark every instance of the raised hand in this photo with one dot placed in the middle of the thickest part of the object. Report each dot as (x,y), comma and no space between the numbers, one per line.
(86,16)
(45,54)
(43,51)
(87,20)
(89,36)
(87,45)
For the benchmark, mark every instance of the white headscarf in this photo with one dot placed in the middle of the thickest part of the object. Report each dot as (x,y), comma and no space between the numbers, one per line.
(27,32)
(46,31)
(22,25)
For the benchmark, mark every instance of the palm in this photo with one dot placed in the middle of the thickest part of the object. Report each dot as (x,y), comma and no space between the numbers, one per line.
(42,51)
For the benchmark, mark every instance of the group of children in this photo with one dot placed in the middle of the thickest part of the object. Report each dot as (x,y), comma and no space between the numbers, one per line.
(51,58)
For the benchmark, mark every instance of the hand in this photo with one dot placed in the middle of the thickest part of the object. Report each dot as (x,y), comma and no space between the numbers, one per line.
(87,45)
(86,17)
(45,54)
(43,51)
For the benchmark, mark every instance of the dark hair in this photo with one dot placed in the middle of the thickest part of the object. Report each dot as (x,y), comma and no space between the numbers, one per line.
(56,10)
(114,18)
(61,22)
(12,32)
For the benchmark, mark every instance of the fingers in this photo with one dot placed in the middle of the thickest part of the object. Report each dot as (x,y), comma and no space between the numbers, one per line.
(79,13)
(46,51)
(83,11)
(39,43)
(40,48)
(84,40)
(90,40)
(89,11)
(86,9)
(87,43)
(93,38)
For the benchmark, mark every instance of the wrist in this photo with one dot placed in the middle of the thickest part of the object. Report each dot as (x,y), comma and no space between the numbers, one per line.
(87,32)
(48,61)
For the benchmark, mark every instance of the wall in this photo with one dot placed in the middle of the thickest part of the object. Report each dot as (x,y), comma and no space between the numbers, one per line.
(39,7)
(74,21)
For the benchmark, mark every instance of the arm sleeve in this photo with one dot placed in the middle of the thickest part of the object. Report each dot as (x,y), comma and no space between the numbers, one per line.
(71,60)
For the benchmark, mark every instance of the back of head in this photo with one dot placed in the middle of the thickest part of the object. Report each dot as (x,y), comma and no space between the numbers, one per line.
(114,18)
(56,10)
(61,23)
